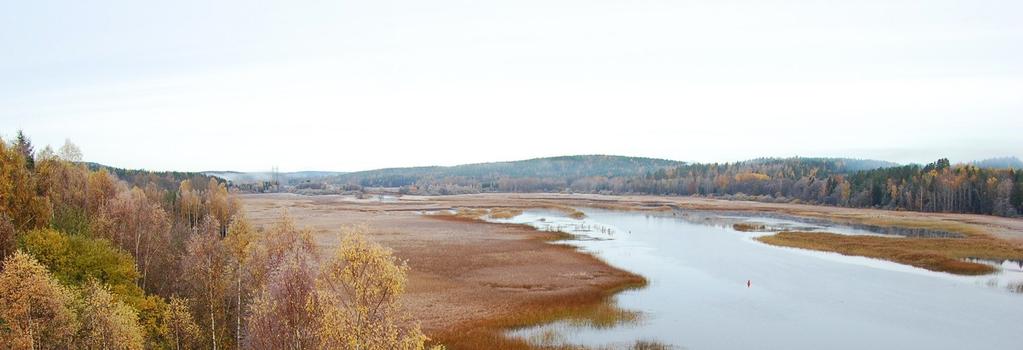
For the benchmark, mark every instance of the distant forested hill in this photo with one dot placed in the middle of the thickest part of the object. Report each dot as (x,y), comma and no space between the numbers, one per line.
(539,174)
(833,165)
(601,173)
(166,180)
(1000,163)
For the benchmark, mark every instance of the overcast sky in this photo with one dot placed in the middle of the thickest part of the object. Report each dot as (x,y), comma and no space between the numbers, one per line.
(351,85)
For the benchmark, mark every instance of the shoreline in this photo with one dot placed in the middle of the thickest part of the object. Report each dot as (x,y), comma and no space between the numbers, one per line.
(471,280)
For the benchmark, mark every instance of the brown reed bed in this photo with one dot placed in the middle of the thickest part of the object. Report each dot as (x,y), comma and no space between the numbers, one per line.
(593,307)
(749,227)
(935,254)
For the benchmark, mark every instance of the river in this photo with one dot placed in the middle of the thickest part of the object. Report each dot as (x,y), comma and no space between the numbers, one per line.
(713,287)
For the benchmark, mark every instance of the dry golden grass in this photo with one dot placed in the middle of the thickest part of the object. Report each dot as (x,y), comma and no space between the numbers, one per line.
(569,210)
(473,214)
(554,236)
(935,254)
(578,215)
(932,224)
(504,213)
(453,217)
(462,214)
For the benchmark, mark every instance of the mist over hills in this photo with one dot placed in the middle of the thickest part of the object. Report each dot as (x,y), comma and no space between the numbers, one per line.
(999,163)
(568,167)
(260,176)
(990,186)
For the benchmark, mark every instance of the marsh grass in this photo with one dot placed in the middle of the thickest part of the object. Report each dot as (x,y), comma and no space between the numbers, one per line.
(551,339)
(935,254)
(496,212)
(930,223)
(558,235)
(748,227)
(650,345)
(603,315)
(594,308)
(569,211)
(461,214)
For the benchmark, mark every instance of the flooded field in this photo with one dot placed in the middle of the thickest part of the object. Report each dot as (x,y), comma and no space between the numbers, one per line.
(713,287)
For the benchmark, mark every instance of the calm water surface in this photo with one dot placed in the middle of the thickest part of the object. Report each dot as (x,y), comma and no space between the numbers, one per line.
(798,299)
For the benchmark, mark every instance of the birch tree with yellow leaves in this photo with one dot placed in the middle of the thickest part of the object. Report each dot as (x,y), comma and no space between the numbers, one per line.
(357,299)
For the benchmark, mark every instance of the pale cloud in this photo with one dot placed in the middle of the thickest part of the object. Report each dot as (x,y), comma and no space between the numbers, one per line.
(348,86)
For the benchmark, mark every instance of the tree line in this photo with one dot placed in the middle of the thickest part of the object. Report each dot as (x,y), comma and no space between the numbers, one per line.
(100,259)
(936,187)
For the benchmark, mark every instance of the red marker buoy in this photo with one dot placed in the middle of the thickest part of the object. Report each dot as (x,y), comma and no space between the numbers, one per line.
(748,283)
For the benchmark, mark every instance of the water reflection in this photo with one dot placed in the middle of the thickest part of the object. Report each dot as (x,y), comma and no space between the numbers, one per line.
(1009,275)
(579,231)
(776,222)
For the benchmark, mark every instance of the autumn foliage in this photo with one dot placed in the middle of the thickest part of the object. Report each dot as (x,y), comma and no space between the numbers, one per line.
(357,299)
(99,258)
(36,309)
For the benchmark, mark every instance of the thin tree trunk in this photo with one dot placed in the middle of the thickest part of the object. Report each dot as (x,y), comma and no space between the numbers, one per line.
(31,337)
(138,240)
(145,269)
(238,330)
(213,325)
(213,321)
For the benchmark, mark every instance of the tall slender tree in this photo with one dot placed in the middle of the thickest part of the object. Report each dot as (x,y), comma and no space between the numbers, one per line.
(206,267)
